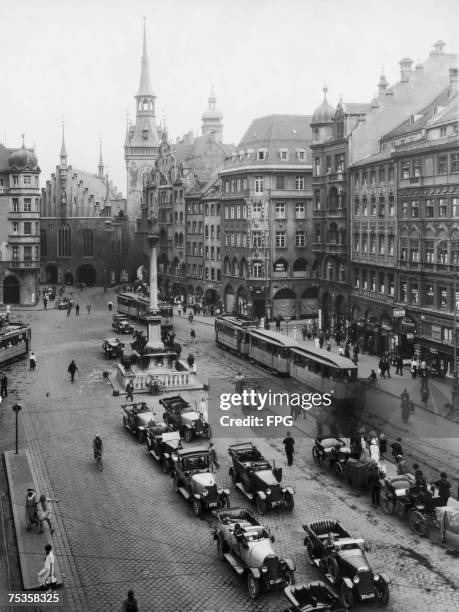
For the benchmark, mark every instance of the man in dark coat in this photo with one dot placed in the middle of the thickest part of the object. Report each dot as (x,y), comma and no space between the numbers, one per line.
(4,386)
(72,369)
(289,444)
(444,489)
(399,363)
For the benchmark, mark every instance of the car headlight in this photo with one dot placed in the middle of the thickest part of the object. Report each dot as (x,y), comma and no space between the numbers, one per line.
(264,569)
(205,492)
(376,577)
(268,491)
(220,491)
(356,580)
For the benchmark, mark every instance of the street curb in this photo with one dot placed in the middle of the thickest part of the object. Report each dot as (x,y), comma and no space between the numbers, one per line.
(20,474)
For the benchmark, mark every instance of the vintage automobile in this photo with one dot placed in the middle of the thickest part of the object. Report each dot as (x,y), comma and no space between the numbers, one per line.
(63,303)
(331,450)
(398,496)
(258,479)
(162,446)
(246,545)
(179,415)
(194,480)
(313,597)
(342,559)
(137,417)
(122,326)
(112,348)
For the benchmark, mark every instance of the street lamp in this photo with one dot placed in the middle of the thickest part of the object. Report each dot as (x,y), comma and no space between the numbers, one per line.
(455,389)
(17,408)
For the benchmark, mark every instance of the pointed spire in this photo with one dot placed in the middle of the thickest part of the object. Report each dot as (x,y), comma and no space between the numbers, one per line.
(63,149)
(145,88)
(101,163)
(23,140)
(212,99)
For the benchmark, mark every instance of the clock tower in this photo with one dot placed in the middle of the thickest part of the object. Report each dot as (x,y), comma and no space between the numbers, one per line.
(140,150)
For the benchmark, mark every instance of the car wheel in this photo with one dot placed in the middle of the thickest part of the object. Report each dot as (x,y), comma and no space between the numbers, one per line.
(261,505)
(209,432)
(289,502)
(347,595)
(197,507)
(140,435)
(317,456)
(338,468)
(125,422)
(387,504)
(176,484)
(418,523)
(253,586)
(233,475)
(332,568)
(310,552)
(165,466)
(385,596)
(188,435)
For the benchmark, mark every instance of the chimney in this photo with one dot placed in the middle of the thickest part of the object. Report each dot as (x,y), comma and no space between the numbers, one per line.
(382,85)
(438,48)
(405,69)
(453,78)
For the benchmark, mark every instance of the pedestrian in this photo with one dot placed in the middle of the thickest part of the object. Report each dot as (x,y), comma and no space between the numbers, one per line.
(46,576)
(399,364)
(414,368)
(45,303)
(69,309)
(341,351)
(44,512)
(382,445)
(321,341)
(193,336)
(4,385)
(402,467)
(328,346)
(72,369)
(444,489)
(190,317)
(397,449)
(110,305)
(203,409)
(289,444)
(213,458)
(130,604)
(374,483)
(387,366)
(8,312)
(179,310)
(278,323)
(304,330)
(77,310)
(31,509)
(374,450)
(88,308)
(382,368)
(129,391)
(32,361)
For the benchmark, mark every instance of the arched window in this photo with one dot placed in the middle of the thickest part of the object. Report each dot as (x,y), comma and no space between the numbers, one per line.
(43,245)
(330,270)
(145,105)
(64,241)
(87,243)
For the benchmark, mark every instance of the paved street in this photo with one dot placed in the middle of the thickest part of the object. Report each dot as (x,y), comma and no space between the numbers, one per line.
(127,528)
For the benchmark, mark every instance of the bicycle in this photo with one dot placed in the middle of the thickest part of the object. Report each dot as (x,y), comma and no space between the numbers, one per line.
(98,460)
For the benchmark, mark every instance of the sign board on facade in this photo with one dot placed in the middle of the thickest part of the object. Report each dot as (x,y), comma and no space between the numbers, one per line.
(399,312)
(436,332)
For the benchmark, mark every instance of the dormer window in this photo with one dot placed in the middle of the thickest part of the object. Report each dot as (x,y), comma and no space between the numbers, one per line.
(301,154)
(145,134)
(262,154)
(283,154)
(249,153)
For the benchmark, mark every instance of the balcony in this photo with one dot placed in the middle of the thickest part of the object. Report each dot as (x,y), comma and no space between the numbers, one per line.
(334,248)
(283,274)
(336,212)
(334,177)
(16,264)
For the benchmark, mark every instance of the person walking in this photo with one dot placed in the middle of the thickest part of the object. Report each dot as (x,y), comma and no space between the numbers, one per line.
(397,449)
(278,323)
(214,465)
(72,369)
(203,409)
(374,483)
(304,330)
(399,364)
(382,368)
(4,385)
(77,310)
(31,509)
(44,512)
(179,310)
(444,489)
(193,336)
(414,368)
(69,309)
(32,362)
(130,604)
(129,391)
(387,366)
(382,445)
(289,444)
(45,302)
(88,308)
(46,576)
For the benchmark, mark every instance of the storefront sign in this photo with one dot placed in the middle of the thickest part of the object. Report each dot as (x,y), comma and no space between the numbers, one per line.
(399,312)
(410,337)
(436,333)
(372,295)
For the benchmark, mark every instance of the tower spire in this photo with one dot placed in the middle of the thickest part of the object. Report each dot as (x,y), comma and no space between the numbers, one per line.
(63,149)
(145,88)
(101,163)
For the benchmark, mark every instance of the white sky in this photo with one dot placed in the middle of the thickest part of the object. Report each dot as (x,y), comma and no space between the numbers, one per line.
(81,59)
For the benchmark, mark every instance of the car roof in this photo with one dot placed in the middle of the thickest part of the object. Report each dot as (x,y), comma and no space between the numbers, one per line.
(196,451)
(111,340)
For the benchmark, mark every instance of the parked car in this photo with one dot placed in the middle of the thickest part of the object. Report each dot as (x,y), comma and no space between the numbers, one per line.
(122,326)
(342,560)
(137,417)
(194,480)
(112,348)
(117,318)
(63,303)
(247,546)
(331,450)
(258,479)
(313,597)
(162,446)
(182,417)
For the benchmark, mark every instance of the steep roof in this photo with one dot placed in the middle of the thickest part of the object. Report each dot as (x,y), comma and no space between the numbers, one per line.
(4,155)
(96,186)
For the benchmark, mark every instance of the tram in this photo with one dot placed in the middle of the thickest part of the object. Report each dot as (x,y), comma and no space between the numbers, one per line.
(137,307)
(231,332)
(14,341)
(271,349)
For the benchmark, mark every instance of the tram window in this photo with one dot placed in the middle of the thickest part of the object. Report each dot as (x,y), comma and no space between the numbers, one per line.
(284,353)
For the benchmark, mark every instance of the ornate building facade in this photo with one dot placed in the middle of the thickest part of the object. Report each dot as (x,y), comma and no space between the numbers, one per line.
(19,226)
(83,233)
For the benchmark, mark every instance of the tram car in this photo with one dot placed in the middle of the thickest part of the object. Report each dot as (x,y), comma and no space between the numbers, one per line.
(14,341)
(271,349)
(231,333)
(138,307)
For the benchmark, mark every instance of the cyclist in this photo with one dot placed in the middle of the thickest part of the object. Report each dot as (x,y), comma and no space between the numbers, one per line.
(98,446)
(372,378)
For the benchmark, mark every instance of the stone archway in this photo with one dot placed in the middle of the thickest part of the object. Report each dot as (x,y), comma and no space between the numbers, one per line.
(86,274)
(11,290)
(51,275)
(309,302)
(284,303)
(68,278)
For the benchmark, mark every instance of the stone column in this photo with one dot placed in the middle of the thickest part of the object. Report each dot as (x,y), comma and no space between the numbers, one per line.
(154,318)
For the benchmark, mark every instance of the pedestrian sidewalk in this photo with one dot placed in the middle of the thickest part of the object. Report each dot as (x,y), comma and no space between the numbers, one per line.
(31,544)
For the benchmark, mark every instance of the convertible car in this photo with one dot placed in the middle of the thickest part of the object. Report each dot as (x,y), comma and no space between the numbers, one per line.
(313,597)
(162,446)
(137,417)
(180,416)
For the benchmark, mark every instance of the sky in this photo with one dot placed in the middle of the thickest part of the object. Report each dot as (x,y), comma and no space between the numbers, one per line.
(78,61)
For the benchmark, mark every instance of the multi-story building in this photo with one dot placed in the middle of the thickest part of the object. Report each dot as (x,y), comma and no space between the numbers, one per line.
(331,131)
(19,226)
(83,232)
(266,208)
(405,240)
